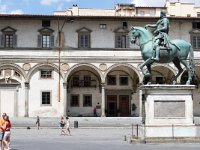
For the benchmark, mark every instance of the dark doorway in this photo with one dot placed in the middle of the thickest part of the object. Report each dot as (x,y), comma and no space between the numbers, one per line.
(124,105)
(112,105)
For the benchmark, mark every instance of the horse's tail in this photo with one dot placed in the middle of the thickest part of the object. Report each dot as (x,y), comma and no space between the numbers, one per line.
(191,61)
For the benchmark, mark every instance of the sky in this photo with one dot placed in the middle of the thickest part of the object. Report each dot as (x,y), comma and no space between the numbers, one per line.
(49,6)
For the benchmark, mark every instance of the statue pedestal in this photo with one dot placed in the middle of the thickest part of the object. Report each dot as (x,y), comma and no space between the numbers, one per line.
(168,110)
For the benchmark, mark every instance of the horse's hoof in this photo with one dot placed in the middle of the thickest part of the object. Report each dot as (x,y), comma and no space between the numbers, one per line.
(188,83)
(174,83)
(148,83)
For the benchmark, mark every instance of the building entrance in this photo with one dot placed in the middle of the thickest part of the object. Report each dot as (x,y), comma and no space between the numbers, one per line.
(112,105)
(124,105)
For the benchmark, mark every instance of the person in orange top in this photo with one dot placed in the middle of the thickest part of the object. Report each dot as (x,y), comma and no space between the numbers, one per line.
(6,138)
(2,128)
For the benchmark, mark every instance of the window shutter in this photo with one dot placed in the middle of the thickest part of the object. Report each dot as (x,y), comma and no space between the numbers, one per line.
(127,42)
(79,40)
(52,41)
(2,40)
(116,41)
(39,41)
(89,41)
(14,40)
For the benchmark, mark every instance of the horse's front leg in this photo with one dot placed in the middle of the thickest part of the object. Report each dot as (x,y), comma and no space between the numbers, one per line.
(141,66)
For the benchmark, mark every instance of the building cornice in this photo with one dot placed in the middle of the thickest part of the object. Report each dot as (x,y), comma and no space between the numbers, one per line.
(93,18)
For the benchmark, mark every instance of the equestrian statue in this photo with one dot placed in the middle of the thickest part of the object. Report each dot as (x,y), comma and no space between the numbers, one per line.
(157,47)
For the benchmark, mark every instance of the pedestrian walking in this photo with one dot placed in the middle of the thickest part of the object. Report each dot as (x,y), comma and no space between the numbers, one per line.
(6,139)
(67,126)
(38,122)
(2,129)
(95,111)
(62,126)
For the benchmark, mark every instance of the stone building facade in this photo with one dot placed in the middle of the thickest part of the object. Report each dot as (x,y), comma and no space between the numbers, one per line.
(73,61)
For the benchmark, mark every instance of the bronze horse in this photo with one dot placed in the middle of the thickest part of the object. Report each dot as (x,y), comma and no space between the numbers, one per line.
(177,53)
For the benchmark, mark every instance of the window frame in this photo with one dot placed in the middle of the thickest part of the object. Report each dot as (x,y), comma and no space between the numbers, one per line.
(120,83)
(84,38)
(46,70)
(46,23)
(46,43)
(50,98)
(8,42)
(108,77)
(195,41)
(46,32)
(75,81)
(87,80)
(78,105)
(122,38)
(195,25)
(84,100)
(102,26)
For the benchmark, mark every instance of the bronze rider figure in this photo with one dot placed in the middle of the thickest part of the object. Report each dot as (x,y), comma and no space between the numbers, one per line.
(160,34)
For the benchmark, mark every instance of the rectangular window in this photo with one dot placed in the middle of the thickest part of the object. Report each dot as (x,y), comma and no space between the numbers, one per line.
(46,23)
(172,4)
(195,41)
(122,41)
(46,41)
(9,40)
(102,26)
(74,101)
(46,98)
(111,80)
(125,25)
(196,25)
(198,14)
(87,100)
(84,41)
(75,81)
(46,74)
(123,80)
(87,81)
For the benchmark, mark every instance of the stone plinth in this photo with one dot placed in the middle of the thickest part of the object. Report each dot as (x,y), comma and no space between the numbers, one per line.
(168,110)
(168,104)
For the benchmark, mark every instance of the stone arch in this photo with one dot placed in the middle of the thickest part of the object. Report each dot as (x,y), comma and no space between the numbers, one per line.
(70,71)
(14,67)
(33,69)
(124,65)
(167,75)
(166,66)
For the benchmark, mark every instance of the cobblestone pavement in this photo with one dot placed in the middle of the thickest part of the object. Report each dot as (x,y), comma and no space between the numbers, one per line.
(107,138)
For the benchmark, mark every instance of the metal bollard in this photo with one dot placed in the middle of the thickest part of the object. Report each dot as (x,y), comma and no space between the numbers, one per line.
(75,124)
(125,138)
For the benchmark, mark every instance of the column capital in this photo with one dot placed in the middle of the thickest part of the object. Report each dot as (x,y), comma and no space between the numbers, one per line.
(65,85)
(103,85)
(26,84)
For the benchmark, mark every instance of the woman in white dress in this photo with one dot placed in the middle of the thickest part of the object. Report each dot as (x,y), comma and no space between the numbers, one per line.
(67,126)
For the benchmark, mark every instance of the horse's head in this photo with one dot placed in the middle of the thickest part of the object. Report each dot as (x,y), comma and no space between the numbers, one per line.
(141,33)
(134,34)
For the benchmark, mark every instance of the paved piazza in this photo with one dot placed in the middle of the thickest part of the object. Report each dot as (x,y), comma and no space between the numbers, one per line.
(84,139)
